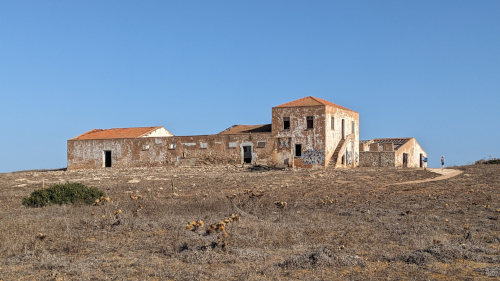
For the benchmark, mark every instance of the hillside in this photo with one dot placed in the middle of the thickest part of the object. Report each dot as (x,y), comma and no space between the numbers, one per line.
(335,225)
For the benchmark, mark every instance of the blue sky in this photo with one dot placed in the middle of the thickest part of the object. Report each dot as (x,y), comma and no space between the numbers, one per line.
(427,69)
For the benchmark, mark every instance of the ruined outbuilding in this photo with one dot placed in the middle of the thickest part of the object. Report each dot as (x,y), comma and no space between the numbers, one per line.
(392,152)
(309,132)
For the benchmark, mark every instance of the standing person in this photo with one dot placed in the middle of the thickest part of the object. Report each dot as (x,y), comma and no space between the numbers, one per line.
(442,161)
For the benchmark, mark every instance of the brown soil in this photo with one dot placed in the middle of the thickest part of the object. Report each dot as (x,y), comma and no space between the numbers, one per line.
(335,225)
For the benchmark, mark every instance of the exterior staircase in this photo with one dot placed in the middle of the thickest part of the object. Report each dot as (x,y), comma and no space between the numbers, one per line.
(336,160)
(335,156)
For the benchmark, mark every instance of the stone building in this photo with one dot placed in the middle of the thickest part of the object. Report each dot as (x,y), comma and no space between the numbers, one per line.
(312,131)
(309,132)
(392,152)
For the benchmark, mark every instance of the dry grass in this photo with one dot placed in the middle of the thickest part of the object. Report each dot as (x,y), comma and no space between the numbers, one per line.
(306,225)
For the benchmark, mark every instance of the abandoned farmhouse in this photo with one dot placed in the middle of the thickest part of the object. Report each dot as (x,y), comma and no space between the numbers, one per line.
(305,133)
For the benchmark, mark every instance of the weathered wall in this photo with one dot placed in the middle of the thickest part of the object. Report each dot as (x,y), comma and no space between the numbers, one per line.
(377,159)
(364,147)
(312,140)
(413,148)
(178,150)
(318,144)
(334,136)
(124,152)
(221,148)
(160,132)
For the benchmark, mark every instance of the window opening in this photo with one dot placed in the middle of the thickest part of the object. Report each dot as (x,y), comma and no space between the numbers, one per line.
(310,122)
(343,128)
(286,123)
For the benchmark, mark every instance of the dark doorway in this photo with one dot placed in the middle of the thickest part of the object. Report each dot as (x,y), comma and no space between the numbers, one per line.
(421,160)
(107,158)
(298,150)
(405,160)
(247,154)
(343,129)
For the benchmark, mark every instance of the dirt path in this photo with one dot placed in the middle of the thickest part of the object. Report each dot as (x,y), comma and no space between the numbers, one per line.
(445,174)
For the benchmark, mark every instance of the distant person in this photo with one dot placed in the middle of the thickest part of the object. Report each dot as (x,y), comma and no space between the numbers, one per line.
(442,162)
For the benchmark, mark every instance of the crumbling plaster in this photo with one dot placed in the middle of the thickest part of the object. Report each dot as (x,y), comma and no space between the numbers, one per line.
(311,140)
(130,152)
(413,148)
(333,137)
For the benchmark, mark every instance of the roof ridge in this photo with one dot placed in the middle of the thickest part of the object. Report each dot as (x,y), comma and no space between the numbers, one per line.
(306,101)
(318,100)
(128,132)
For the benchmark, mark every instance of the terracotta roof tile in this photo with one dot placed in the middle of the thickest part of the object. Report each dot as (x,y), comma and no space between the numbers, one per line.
(311,101)
(116,133)
(244,129)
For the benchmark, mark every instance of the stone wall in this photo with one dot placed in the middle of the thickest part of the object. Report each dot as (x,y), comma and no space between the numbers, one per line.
(377,159)
(382,155)
(312,140)
(176,150)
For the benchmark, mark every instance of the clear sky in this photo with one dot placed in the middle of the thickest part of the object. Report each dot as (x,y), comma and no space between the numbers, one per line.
(427,69)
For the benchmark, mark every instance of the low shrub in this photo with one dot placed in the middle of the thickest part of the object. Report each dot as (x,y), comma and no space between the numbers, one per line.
(67,193)
(488,161)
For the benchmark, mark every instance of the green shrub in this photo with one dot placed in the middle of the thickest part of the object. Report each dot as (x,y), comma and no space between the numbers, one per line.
(68,193)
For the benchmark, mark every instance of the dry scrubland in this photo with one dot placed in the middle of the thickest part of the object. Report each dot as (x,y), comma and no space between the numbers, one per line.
(335,225)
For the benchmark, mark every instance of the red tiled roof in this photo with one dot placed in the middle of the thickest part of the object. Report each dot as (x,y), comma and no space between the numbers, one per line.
(243,129)
(311,101)
(116,133)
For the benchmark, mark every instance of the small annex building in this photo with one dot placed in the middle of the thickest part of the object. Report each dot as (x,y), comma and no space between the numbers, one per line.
(309,132)
(392,152)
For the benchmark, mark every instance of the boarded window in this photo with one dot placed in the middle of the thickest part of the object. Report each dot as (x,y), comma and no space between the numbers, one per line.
(203,145)
(261,144)
(310,122)
(286,123)
(232,145)
(353,128)
(332,123)
(171,146)
(298,150)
